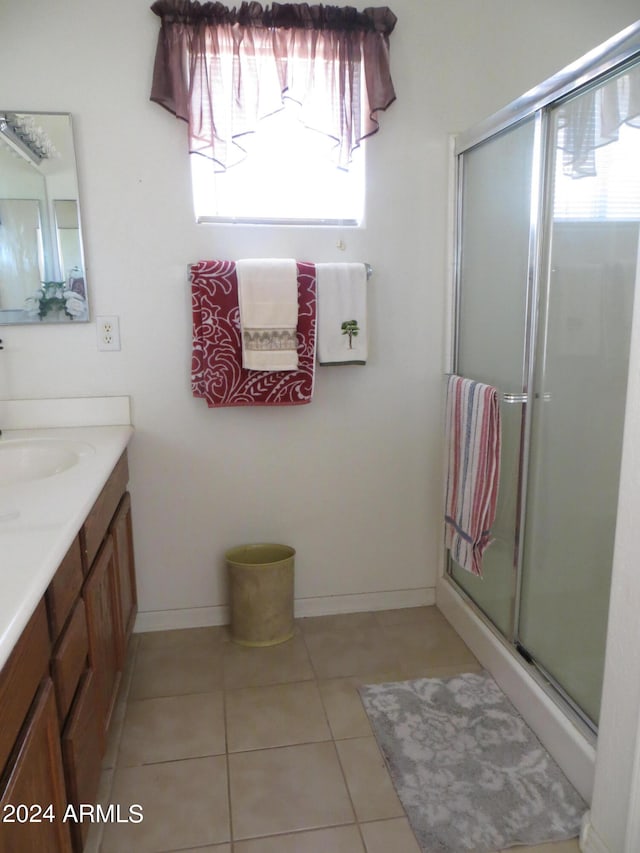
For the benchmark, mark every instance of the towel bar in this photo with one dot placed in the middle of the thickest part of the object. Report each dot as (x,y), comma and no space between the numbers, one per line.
(368,268)
(520,397)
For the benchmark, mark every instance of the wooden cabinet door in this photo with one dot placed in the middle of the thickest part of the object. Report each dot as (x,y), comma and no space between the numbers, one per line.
(122,532)
(102,608)
(81,752)
(20,678)
(35,782)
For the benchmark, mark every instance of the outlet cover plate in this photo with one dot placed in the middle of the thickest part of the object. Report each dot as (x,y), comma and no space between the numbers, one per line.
(108,333)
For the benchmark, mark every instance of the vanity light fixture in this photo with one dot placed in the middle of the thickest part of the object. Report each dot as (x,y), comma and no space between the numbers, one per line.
(26,138)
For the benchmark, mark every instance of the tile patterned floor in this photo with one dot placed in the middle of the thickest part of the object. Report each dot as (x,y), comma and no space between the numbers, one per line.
(236,750)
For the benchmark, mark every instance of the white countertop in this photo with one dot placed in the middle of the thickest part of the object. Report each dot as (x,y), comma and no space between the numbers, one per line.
(40,518)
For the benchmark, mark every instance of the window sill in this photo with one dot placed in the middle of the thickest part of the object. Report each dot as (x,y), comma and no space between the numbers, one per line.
(247,220)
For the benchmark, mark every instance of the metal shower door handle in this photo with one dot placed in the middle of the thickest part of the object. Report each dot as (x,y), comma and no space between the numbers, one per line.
(524,398)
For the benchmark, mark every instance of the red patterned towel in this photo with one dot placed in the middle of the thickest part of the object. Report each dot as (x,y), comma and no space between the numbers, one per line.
(217,374)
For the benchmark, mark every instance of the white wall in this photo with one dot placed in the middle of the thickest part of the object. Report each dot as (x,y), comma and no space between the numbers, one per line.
(352,480)
(615,818)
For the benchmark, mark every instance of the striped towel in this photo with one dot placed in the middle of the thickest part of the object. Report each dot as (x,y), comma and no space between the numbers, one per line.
(473,432)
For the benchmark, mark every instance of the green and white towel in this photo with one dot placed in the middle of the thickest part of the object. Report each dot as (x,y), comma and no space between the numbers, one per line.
(342,313)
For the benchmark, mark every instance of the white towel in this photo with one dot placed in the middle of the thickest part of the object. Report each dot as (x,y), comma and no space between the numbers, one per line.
(268,300)
(342,313)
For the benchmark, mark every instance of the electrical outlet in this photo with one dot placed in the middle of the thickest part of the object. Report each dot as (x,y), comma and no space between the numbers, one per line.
(108,331)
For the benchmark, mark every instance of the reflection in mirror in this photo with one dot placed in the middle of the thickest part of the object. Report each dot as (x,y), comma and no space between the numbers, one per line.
(42,271)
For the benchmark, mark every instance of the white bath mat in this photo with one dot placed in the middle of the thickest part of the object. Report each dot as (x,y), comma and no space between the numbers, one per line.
(470,773)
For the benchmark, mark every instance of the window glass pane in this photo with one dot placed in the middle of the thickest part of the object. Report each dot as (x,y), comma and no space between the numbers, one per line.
(288,173)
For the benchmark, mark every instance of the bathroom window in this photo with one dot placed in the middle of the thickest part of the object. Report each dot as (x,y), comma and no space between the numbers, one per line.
(278,102)
(288,176)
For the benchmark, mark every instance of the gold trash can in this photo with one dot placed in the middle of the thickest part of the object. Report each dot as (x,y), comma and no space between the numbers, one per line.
(261,593)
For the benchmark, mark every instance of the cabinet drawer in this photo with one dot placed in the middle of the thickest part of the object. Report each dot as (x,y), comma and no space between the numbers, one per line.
(98,520)
(81,751)
(64,589)
(70,659)
(20,677)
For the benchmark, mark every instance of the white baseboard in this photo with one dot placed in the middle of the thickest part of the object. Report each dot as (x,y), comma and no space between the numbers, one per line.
(188,617)
(360,602)
(203,617)
(590,841)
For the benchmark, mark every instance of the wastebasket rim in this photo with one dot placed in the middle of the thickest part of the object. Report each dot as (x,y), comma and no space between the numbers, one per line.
(232,554)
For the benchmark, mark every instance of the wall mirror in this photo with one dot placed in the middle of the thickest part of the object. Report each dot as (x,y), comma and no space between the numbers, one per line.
(42,270)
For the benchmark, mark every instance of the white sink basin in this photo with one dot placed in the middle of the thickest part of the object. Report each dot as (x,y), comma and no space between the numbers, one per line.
(37,458)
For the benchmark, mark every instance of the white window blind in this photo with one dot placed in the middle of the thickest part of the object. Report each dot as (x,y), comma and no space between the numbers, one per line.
(613,192)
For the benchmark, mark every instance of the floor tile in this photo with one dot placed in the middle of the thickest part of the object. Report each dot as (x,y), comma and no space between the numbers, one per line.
(176,669)
(96,831)
(184,637)
(119,710)
(104,787)
(404,615)
(413,671)
(247,667)
(287,789)
(350,653)
(277,715)
(127,672)
(338,839)
(433,643)
(184,804)
(337,623)
(368,780)
(347,717)
(93,839)
(172,727)
(570,846)
(114,734)
(295,730)
(386,835)
(210,848)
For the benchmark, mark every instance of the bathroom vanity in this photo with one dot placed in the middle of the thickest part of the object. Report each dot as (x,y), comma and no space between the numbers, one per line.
(67,609)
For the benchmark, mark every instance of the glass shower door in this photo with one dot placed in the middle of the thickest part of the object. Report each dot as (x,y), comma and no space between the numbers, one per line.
(580,387)
(493,274)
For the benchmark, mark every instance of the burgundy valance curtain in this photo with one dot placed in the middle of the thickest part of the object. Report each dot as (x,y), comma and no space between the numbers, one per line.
(222,70)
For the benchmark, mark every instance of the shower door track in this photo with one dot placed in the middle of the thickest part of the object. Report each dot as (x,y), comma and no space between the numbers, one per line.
(546,677)
(542,678)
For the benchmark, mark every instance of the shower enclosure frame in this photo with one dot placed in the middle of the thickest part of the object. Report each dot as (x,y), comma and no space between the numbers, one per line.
(555,715)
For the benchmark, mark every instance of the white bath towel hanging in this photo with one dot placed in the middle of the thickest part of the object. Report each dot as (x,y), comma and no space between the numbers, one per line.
(268,301)
(342,313)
